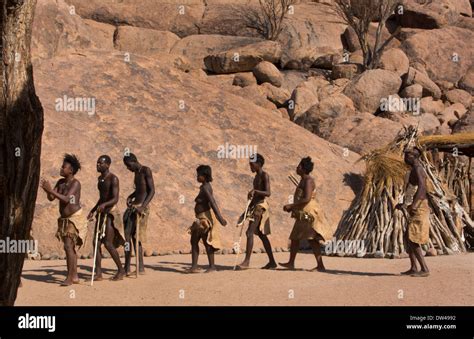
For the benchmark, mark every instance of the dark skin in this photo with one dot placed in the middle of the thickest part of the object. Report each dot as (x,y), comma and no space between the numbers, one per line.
(307,184)
(108,186)
(139,199)
(260,191)
(416,177)
(68,191)
(204,202)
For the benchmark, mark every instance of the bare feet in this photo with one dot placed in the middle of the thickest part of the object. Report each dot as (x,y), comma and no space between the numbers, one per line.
(134,273)
(69,282)
(270,266)
(409,272)
(287,265)
(193,270)
(96,278)
(319,269)
(118,276)
(421,274)
(211,269)
(242,267)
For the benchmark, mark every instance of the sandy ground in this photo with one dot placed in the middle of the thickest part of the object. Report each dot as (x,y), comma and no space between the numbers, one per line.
(349,281)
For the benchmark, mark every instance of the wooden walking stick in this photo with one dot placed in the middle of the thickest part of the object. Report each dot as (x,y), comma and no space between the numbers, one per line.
(137,243)
(99,234)
(241,225)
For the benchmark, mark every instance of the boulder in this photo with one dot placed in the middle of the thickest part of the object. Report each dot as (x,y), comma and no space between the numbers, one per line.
(429,87)
(277,95)
(243,59)
(301,100)
(367,89)
(446,53)
(284,113)
(412,91)
(427,123)
(429,14)
(305,95)
(463,7)
(244,79)
(346,71)
(58,32)
(467,81)
(466,23)
(445,86)
(181,19)
(395,60)
(197,47)
(459,96)
(312,31)
(144,41)
(430,105)
(327,61)
(357,57)
(319,118)
(292,78)
(267,72)
(352,44)
(226,18)
(255,94)
(363,132)
(465,124)
(225,81)
(453,112)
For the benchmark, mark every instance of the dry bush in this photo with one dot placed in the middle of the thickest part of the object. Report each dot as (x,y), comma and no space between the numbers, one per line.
(267,18)
(358,14)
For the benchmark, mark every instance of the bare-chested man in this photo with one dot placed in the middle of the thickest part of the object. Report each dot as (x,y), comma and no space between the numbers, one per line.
(138,209)
(205,226)
(419,216)
(72,225)
(107,215)
(259,212)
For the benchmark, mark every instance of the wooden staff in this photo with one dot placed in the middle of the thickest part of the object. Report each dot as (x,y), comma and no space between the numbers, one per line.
(241,225)
(99,234)
(137,243)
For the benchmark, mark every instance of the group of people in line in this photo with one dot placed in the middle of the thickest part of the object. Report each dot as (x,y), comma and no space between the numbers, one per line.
(112,230)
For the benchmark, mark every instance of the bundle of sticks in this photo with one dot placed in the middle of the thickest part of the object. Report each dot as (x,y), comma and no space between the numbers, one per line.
(293,179)
(455,172)
(374,219)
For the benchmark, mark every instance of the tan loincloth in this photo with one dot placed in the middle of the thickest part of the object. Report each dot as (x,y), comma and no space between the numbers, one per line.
(262,210)
(74,227)
(119,236)
(310,220)
(419,224)
(207,223)
(129,216)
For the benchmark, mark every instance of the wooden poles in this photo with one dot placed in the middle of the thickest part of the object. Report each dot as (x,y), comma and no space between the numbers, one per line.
(373,218)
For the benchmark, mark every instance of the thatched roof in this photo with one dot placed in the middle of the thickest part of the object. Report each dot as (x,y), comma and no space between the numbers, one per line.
(464,142)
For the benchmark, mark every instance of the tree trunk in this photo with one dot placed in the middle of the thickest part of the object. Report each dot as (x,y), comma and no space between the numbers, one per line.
(21,127)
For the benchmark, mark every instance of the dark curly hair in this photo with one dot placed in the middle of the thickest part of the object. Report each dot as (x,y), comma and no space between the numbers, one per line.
(72,160)
(307,165)
(257,157)
(130,158)
(205,171)
(106,159)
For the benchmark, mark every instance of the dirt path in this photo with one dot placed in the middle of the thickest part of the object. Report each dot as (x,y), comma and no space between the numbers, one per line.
(349,281)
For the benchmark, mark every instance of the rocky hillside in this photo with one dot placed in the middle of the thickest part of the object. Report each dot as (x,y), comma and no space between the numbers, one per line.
(174,115)
(173,81)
